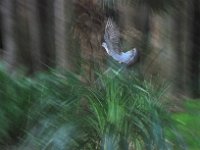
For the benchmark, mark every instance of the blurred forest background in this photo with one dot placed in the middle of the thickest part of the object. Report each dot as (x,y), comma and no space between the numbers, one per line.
(37,36)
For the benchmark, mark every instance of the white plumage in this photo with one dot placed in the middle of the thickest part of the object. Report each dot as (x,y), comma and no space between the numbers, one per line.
(112,45)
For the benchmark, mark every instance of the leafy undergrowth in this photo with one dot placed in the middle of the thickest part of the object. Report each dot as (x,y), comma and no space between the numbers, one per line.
(59,112)
(185,129)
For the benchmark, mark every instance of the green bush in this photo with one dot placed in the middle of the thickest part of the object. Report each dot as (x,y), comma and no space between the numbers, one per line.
(184,132)
(54,111)
(15,99)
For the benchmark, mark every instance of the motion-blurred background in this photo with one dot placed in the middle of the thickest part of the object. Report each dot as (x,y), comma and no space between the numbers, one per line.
(38,37)
(42,34)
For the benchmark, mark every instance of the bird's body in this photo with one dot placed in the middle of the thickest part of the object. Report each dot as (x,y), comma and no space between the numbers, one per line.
(112,45)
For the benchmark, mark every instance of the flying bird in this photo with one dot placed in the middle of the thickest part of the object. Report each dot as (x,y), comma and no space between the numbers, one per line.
(112,45)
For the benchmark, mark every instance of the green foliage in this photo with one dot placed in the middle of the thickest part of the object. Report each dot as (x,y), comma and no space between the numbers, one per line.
(54,111)
(124,112)
(184,132)
(15,97)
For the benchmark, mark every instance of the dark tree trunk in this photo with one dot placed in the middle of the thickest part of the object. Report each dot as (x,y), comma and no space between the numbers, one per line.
(1,42)
(179,53)
(195,51)
(34,33)
(24,52)
(8,32)
(194,58)
(145,29)
(46,12)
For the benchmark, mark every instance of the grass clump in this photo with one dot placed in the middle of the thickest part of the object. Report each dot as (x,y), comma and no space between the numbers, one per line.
(53,111)
(184,132)
(15,99)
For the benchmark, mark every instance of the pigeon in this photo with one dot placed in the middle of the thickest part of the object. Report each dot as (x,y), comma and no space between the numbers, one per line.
(112,45)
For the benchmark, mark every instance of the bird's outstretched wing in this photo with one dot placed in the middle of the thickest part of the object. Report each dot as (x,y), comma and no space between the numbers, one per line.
(112,36)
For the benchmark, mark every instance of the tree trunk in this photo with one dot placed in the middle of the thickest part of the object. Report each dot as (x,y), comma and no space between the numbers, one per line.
(47,33)
(145,29)
(1,43)
(63,18)
(34,33)
(8,32)
(60,36)
(179,53)
(194,61)
(24,52)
